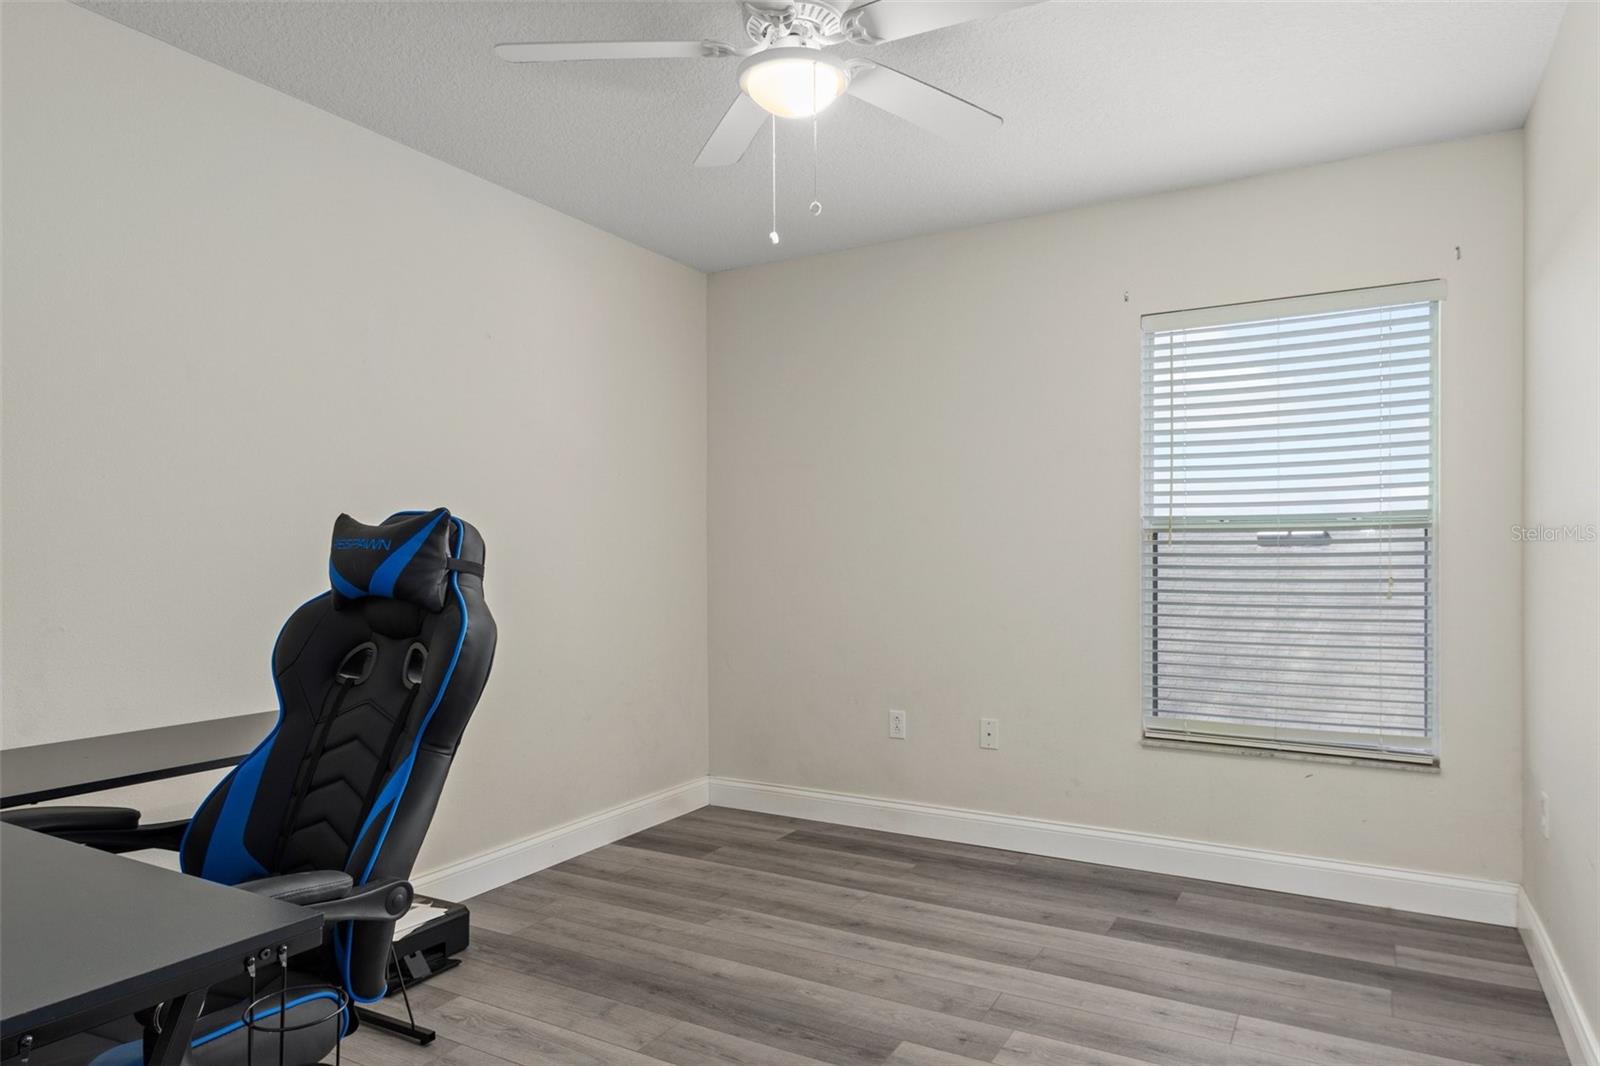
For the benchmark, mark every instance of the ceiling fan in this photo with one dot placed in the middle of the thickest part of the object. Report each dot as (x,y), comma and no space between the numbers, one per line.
(787,72)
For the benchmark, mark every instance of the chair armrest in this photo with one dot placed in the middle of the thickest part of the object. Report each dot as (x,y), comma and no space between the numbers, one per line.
(334,895)
(113,829)
(376,901)
(306,888)
(55,820)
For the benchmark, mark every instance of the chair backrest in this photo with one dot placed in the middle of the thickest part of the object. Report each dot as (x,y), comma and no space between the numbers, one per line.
(376,681)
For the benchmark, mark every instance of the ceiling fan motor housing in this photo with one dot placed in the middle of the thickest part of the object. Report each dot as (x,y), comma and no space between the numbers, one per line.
(805,18)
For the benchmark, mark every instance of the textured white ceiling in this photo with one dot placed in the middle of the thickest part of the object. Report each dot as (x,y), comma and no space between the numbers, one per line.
(1101,100)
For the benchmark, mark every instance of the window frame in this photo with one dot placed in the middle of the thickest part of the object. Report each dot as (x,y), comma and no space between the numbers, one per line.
(1178,730)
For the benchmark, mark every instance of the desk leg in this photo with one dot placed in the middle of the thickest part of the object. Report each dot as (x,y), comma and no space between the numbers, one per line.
(168,1047)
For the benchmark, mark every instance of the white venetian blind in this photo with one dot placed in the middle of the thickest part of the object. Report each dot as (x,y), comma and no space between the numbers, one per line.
(1289,489)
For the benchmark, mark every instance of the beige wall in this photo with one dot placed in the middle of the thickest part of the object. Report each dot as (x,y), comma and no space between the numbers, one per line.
(925,495)
(229,316)
(220,306)
(1561,470)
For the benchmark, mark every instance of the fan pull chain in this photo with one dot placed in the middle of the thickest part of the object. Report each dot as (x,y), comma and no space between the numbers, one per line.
(773,236)
(816,204)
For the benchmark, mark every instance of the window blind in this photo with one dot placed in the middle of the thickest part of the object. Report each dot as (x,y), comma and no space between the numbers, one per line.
(1288,523)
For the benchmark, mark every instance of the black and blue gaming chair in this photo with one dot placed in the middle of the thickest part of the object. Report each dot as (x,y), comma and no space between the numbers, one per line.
(376,680)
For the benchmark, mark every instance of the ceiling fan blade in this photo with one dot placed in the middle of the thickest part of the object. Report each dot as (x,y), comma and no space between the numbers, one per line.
(877,21)
(556,51)
(921,104)
(733,134)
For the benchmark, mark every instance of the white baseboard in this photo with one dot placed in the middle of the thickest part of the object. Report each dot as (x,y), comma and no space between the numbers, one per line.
(1468,898)
(1583,1045)
(469,877)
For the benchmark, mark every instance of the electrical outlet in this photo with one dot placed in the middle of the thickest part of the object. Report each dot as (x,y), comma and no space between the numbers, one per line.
(989,734)
(1544,814)
(897,725)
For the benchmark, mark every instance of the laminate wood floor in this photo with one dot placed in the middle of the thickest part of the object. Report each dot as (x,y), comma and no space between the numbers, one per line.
(727,937)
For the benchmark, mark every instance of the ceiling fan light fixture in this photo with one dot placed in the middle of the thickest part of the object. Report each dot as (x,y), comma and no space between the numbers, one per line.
(793,82)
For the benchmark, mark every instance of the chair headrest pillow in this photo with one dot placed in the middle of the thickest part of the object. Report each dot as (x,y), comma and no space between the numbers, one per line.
(405,558)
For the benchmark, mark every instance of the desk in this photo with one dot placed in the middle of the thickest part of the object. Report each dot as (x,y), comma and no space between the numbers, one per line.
(90,937)
(42,772)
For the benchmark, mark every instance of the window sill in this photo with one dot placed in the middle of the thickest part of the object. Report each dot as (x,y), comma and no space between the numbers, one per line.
(1211,748)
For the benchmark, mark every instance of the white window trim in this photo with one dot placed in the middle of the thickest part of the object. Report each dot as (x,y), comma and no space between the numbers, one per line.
(1423,752)
(1411,292)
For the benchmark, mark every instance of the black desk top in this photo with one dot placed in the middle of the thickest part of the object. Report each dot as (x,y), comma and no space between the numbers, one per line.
(73,767)
(88,937)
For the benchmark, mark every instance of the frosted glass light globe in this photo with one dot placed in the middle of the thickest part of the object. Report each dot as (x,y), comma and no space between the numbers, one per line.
(790,85)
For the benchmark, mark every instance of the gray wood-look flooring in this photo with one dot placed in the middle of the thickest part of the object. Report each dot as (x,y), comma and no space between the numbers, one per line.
(727,937)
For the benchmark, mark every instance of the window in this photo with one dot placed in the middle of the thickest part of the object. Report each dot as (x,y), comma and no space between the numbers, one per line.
(1289,504)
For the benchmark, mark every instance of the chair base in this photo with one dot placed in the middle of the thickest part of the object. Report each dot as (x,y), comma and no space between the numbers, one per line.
(408,1029)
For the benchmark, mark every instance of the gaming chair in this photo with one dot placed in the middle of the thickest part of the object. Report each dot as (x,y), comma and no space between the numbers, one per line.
(376,680)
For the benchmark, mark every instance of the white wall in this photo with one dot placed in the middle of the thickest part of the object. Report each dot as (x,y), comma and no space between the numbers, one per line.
(228,316)
(925,494)
(1561,470)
